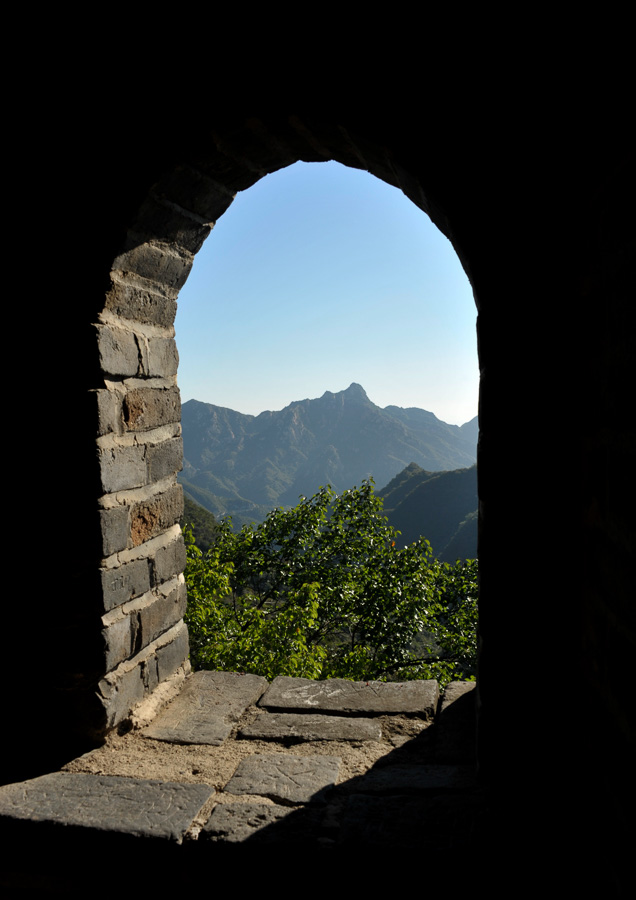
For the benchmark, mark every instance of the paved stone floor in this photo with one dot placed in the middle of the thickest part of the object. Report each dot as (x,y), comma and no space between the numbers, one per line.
(419,795)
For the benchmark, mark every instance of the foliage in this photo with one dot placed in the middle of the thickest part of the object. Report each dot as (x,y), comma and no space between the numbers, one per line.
(202,521)
(323,591)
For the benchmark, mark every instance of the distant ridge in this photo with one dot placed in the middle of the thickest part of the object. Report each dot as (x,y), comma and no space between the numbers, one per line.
(245,465)
(440,506)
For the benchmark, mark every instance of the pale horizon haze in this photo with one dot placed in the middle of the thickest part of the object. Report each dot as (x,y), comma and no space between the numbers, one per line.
(319,276)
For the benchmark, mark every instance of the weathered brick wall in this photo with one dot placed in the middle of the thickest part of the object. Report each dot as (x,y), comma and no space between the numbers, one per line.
(537,223)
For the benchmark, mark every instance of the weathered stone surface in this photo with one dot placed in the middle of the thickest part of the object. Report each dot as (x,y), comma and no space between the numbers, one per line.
(156,262)
(170,560)
(119,692)
(159,221)
(130,301)
(114,526)
(109,414)
(172,656)
(383,698)
(125,582)
(160,615)
(117,642)
(122,468)
(150,518)
(146,408)
(307,727)
(118,351)
(236,822)
(163,357)
(285,778)
(164,459)
(107,803)
(208,706)
(263,823)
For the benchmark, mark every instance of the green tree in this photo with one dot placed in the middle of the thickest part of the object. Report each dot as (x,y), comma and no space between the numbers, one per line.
(324,591)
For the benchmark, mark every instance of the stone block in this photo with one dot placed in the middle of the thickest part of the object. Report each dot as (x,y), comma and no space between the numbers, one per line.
(129,301)
(108,803)
(151,517)
(308,727)
(164,459)
(169,561)
(118,351)
(165,223)
(264,823)
(118,642)
(119,692)
(160,615)
(125,582)
(197,193)
(146,408)
(115,529)
(123,468)
(163,357)
(285,778)
(338,695)
(157,263)
(109,412)
(173,655)
(208,706)
(150,674)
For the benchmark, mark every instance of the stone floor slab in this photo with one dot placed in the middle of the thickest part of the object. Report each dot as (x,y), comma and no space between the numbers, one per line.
(358,697)
(106,803)
(285,778)
(261,823)
(311,727)
(207,708)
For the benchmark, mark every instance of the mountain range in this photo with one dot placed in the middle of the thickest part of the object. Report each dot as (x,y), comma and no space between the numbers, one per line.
(440,506)
(245,465)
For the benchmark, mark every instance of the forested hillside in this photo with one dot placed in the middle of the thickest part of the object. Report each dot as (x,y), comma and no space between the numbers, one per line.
(440,506)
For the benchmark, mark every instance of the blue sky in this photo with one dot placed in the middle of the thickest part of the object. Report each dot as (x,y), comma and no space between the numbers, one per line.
(318,276)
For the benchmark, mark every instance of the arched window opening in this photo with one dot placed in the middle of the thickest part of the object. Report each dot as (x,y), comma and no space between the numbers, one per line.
(323,284)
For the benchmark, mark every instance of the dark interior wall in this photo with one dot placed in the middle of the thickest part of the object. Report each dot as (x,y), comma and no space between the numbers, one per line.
(538,220)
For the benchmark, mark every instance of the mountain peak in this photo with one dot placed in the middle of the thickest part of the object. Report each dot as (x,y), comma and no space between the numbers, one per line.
(355,391)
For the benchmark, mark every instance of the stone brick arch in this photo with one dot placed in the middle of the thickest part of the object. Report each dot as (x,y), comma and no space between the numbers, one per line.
(140,447)
(537,210)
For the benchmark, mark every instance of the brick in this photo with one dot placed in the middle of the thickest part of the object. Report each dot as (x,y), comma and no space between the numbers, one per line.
(122,468)
(118,642)
(156,263)
(163,357)
(109,412)
(125,582)
(169,561)
(152,517)
(129,301)
(146,408)
(118,351)
(161,615)
(173,655)
(119,692)
(197,193)
(167,224)
(164,459)
(115,529)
